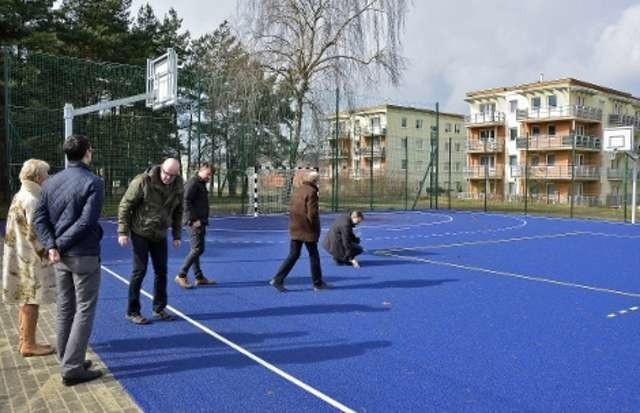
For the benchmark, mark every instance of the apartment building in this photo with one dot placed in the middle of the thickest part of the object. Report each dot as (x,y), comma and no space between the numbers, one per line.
(392,139)
(530,135)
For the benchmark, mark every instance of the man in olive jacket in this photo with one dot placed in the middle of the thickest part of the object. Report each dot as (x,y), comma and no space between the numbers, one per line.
(196,220)
(341,242)
(304,228)
(152,203)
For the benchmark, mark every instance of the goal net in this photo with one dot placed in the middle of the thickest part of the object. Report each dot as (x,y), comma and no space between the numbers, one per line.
(272,188)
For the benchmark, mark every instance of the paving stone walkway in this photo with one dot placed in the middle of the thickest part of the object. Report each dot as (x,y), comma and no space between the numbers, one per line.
(34,384)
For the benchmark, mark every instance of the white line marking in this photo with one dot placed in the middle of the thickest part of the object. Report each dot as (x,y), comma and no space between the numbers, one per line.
(515,275)
(245,352)
(623,311)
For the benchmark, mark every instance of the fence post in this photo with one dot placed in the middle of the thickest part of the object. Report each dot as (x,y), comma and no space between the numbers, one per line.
(625,183)
(486,183)
(573,168)
(526,173)
(371,176)
(437,163)
(406,173)
(334,180)
(449,187)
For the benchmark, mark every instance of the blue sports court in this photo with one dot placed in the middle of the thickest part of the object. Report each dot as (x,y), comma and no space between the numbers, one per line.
(451,311)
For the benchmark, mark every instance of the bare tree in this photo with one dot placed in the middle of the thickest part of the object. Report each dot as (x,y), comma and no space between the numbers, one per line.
(309,42)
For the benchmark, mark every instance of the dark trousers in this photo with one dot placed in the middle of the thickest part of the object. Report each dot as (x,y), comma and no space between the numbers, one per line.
(142,249)
(294,254)
(196,236)
(356,249)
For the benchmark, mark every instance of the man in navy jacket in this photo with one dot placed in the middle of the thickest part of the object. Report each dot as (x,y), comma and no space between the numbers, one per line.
(196,219)
(66,220)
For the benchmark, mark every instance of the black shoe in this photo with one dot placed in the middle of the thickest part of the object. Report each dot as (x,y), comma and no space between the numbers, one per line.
(87,376)
(278,286)
(322,286)
(87,364)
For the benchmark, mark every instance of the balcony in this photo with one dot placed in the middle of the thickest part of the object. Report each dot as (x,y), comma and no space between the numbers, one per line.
(485,146)
(616,174)
(582,172)
(378,152)
(342,135)
(624,120)
(483,172)
(371,131)
(559,142)
(329,155)
(485,119)
(585,113)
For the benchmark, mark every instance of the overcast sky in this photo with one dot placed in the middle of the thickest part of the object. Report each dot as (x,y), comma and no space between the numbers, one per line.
(456,46)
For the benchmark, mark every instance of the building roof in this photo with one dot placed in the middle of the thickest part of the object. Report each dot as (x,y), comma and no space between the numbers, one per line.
(548,83)
(386,107)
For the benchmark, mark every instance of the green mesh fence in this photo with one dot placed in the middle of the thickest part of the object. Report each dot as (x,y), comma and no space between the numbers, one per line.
(126,140)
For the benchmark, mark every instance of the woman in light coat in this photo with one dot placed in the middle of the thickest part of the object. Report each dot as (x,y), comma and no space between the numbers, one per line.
(27,276)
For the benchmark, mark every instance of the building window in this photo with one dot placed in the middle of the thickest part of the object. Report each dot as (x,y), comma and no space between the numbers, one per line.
(512,188)
(403,122)
(535,103)
(580,100)
(404,164)
(552,101)
(418,123)
(487,134)
(456,127)
(535,160)
(487,107)
(457,146)
(420,144)
(535,130)
(551,159)
(513,106)
(446,146)
(458,167)
(513,133)
(580,130)
(513,160)
(447,127)
(458,186)
(551,130)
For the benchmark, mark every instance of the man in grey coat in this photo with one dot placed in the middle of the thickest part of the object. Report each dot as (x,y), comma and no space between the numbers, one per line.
(341,242)
(66,220)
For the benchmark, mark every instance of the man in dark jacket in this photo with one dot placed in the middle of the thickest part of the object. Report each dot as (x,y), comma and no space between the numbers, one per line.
(66,221)
(341,242)
(152,203)
(196,218)
(304,228)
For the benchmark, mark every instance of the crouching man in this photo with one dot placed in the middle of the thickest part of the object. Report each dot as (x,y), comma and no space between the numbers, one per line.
(341,242)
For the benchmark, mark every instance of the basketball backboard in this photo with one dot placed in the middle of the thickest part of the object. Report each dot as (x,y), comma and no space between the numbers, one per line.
(162,80)
(618,139)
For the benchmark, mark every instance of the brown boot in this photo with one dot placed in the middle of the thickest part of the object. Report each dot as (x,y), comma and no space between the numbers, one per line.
(29,322)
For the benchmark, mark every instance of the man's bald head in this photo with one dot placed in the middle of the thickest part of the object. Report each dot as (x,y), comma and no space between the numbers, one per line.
(169,170)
